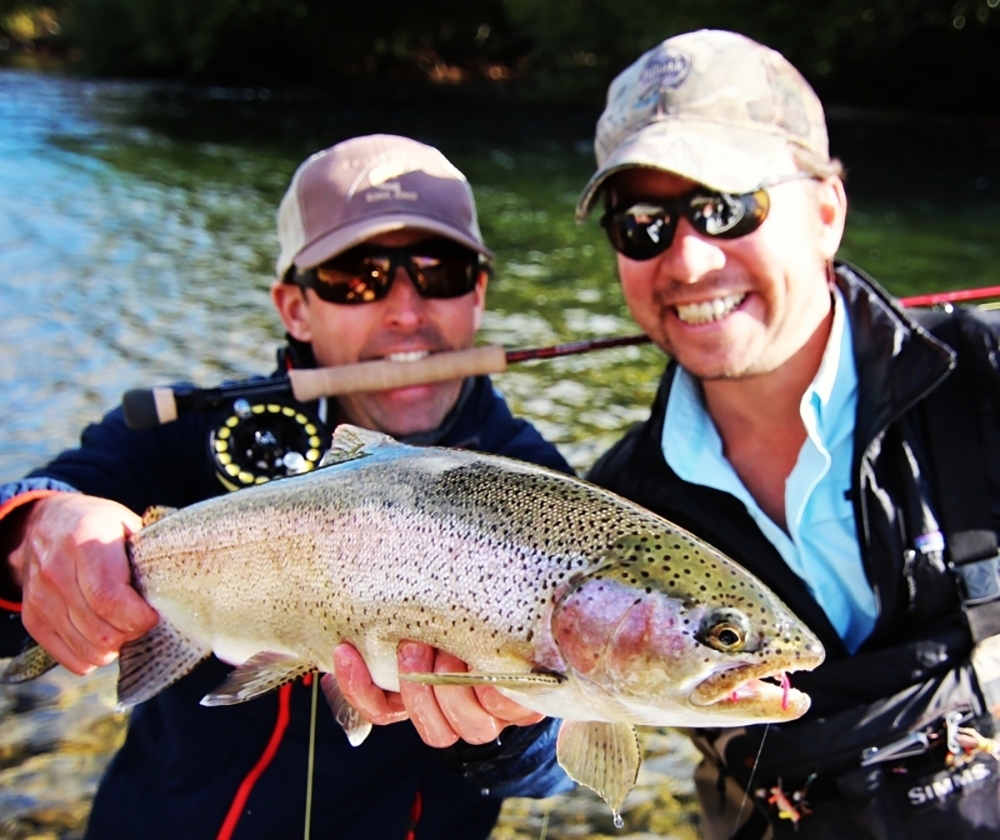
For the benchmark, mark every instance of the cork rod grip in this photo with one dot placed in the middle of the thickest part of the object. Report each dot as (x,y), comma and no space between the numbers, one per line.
(380,375)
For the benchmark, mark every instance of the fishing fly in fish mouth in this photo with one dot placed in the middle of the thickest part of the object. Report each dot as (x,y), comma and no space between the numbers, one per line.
(587,607)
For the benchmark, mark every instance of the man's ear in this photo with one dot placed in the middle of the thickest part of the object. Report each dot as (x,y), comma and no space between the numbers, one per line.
(832,200)
(290,301)
(480,293)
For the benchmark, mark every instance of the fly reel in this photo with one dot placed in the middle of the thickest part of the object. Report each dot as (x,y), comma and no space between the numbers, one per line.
(261,441)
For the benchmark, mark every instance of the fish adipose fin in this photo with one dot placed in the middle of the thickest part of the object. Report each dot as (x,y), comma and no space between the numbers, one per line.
(518,681)
(356,728)
(151,663)
(353,442)
(603,756)
(261,673)
(29,664)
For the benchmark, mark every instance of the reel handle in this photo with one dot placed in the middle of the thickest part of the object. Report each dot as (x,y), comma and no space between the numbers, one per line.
(148,407)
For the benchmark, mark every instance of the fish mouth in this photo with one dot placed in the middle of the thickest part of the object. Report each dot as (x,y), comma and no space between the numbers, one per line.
(765,690)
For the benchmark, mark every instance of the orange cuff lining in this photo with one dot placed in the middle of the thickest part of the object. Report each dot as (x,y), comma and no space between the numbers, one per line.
(11,505)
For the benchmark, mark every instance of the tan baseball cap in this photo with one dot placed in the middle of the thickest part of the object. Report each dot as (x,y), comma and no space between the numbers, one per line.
(369,185)
(711,106)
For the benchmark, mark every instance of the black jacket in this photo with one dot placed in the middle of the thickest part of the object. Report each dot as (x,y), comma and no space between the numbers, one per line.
(915,662)
(182,764)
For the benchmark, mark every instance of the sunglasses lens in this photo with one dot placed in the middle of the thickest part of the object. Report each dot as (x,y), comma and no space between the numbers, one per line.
(645,230)
(728,216)
(365,274)
(444,275)
(641,231)
(350,278)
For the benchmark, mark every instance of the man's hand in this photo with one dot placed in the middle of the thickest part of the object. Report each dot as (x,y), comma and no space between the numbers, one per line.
(77,601)
(441,714)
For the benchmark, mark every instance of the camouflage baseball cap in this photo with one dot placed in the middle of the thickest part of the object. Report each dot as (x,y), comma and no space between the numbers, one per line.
(712,106)
(365,186)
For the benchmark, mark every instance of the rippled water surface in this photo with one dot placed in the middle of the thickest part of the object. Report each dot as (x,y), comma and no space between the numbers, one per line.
(136,248)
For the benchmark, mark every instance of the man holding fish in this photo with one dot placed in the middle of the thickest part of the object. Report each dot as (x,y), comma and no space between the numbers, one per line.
(381,258)
(818,434)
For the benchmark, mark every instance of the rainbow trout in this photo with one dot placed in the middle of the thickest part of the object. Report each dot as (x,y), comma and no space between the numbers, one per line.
(569,599)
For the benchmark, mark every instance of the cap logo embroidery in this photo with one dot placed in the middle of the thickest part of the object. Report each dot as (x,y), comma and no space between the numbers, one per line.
(665,71)
(382,175)
(389,190)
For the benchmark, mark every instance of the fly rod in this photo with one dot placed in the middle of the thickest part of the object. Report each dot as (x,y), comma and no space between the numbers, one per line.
(148,407)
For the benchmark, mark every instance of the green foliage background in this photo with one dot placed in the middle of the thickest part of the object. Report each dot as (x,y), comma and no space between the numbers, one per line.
(913,54)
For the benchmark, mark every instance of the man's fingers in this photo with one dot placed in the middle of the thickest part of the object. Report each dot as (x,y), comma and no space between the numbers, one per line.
(106,587)
(461,707)
(53,611)
(67,646)
(504,708)
(77,598)
(431,723)
(355,682)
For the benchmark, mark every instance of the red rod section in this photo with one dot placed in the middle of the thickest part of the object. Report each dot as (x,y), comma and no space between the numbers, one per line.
(586,345)
(573,347)
(936,298)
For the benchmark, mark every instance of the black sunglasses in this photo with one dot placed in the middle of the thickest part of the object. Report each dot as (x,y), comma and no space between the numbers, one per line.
(439,269)
(645,229)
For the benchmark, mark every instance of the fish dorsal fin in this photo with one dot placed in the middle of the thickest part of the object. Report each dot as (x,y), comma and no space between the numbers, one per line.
(149,664)
(351,442)
(521,682)
(155,514)
(603,756)
(261,673)
(355,727)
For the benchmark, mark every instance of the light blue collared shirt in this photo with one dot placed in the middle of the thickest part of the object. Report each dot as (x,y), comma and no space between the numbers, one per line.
(821,545)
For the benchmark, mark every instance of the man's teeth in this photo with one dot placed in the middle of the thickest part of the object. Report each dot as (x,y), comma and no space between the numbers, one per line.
(708,310)
(411,356)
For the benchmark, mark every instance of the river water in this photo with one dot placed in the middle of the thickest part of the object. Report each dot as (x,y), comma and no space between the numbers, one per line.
(136,248)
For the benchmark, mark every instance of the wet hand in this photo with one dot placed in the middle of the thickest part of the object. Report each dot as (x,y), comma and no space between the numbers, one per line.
(442,715)
(77,601)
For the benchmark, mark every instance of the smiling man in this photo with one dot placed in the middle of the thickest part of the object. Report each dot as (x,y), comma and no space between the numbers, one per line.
(381,258)
(791,431)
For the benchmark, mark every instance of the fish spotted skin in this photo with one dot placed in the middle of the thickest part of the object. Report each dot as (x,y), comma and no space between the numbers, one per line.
(571,600)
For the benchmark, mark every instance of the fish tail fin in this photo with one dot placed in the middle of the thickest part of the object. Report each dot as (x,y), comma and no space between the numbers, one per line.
(29,664)
(149,664)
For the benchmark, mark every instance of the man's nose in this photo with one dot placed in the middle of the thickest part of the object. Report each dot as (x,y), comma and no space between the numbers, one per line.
(691,255)
(404,307)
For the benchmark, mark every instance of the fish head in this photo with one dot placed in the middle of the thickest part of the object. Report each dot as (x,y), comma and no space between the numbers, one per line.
(671,632)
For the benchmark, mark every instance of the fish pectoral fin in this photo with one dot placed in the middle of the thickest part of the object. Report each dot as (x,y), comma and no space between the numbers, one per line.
(355,726)
(152,662)
(29,664)
(353,442)
(155,514)
(603,756)
(518,681)
(261,673)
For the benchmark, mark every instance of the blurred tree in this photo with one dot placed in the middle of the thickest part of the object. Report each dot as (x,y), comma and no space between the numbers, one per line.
(926,54)
(308,42)
(908,53)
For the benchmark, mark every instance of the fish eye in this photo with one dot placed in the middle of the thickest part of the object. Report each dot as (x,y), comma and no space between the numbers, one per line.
(726,630)
(726,637)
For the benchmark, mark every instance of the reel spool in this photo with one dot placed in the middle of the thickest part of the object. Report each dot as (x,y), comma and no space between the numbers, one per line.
(262,441)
